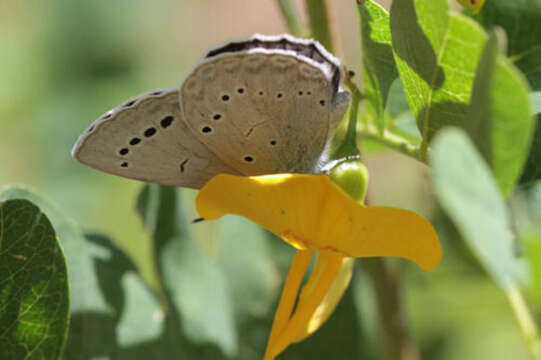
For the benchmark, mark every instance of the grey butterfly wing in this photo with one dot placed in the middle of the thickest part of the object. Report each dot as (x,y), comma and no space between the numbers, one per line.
(148,139)
(262,111)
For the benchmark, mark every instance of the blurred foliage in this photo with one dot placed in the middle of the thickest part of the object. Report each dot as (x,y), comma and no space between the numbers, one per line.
(146,283)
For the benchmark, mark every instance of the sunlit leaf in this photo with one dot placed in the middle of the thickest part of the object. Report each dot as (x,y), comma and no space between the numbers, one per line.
(469,194)
(499,118)
(436,53)
(34,293)
(379,69)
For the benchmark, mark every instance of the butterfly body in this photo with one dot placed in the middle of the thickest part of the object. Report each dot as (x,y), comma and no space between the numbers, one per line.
(258,106)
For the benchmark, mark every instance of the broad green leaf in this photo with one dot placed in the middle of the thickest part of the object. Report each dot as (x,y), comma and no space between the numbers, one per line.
(34,292)
(98,290)
(436,53)
(466,190)
(521,20)
(499,118)
(193,282)
(379,68)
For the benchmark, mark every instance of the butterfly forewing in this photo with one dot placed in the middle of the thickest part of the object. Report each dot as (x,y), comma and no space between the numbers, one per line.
(261,112)
(147,139)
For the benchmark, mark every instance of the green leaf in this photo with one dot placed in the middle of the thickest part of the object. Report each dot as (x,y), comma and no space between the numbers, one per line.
(194,283)
(528,223)
(379,68)
(100,307)
(521,20)
(84,284)
(532,169)
(466,190)
(499,118)
(436,53)
(245,259)
(34,292)
(533,245)
(402,120)
(140,308)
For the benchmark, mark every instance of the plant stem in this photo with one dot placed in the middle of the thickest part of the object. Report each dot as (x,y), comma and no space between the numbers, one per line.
(348,147)
(320,23)
(392,141)
(291,18)
(397,343)
(525,320)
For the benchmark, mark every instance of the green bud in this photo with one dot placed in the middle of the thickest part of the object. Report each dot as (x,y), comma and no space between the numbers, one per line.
(352,176)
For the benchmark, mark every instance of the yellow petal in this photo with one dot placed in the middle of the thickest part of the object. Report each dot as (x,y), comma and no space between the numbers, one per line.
(311,212)
(331,299)
(305,310)
(289,295)
(474,5)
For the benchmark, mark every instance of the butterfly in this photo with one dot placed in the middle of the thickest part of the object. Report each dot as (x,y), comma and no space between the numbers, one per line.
(263,105)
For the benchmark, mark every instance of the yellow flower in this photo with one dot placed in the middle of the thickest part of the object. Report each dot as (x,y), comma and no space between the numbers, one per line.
(473,5)
(314,215)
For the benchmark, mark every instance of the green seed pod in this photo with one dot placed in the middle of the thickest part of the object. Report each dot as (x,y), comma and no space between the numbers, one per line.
(352,176)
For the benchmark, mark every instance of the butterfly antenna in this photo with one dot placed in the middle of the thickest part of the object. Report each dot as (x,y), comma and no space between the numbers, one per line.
(195,221)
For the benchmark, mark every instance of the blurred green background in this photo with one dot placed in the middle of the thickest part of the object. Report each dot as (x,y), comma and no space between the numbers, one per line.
(64,63)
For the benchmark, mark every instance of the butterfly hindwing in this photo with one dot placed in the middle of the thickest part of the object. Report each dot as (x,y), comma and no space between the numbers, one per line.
(263,109)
